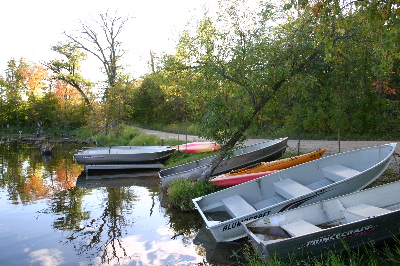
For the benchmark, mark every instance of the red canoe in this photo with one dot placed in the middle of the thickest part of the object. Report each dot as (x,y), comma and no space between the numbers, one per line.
(197,147)
(228,181)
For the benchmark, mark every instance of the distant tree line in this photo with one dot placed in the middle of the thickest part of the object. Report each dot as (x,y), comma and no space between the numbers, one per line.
(312,67)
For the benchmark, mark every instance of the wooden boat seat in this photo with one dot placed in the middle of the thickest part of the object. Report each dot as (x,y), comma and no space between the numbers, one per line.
(362,211)
(300,227)
(338,172)
(288,188)
(237,206)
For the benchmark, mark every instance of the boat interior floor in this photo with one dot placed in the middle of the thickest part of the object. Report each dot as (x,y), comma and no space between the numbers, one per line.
(303,227)
(285,189)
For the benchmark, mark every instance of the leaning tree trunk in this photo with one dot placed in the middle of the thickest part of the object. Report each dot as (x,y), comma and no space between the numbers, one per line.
(224,150)
(206,175)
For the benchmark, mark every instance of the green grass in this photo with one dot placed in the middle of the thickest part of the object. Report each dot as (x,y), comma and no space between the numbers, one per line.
(387,253)
(181,192)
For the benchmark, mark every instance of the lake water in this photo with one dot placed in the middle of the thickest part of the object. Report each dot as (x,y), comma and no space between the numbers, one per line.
(53,213)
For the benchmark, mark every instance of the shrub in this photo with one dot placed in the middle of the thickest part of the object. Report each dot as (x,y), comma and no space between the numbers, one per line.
(182,191)
(145,140)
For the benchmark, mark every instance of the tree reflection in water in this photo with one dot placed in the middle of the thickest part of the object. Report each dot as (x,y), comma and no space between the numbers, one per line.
(91,236)
(102,222)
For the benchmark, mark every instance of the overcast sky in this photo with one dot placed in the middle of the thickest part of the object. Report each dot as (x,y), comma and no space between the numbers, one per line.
(30,27)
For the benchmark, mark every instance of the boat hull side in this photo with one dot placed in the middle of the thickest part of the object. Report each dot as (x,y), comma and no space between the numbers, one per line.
(137,158)
(332,240)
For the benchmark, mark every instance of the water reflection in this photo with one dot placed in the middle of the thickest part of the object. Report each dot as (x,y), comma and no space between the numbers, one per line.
(218,253)
(97,235)
(53,213)
(28,178)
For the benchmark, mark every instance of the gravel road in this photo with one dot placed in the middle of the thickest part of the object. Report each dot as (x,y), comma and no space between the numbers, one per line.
(331,146)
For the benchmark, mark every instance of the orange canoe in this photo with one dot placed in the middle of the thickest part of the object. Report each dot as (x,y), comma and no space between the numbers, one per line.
(228,181)
(279,164)
(197,147)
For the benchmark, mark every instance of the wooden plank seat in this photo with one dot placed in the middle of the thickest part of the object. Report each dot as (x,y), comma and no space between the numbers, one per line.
(237,206)
(300,227)
(338,172)
(362,211)
(288,188)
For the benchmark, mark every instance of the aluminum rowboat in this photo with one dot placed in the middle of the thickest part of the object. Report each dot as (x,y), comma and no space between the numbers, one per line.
(328,226)
(124,155)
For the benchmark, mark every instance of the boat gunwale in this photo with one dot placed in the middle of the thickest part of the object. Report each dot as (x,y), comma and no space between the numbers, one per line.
(275,141)
(129,158)
(143,151)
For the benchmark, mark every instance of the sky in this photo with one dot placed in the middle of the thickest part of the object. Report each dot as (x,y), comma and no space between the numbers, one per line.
(30,27)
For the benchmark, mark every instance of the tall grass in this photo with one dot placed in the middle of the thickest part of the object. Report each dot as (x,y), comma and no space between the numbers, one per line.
(182,191)
(387,253)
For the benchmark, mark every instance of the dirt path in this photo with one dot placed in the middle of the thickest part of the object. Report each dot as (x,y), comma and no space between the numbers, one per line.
(331,146)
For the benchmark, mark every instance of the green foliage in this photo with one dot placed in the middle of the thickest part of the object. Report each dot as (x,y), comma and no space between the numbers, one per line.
(182,191)
(145,140)
(129,133)
(371,254)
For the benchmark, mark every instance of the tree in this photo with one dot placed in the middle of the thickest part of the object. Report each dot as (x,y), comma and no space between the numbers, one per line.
(67,71)
(11,94)
(73,108)
(103,42)
(241,66)
(117,107)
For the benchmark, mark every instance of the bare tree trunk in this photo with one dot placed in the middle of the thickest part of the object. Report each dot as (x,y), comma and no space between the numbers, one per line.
(103,43)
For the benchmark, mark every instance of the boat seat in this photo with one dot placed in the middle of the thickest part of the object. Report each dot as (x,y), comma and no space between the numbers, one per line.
(339,172)
(288,188)
(320,183)
(237,206)
(362,211)
(268,202)
(300,227)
